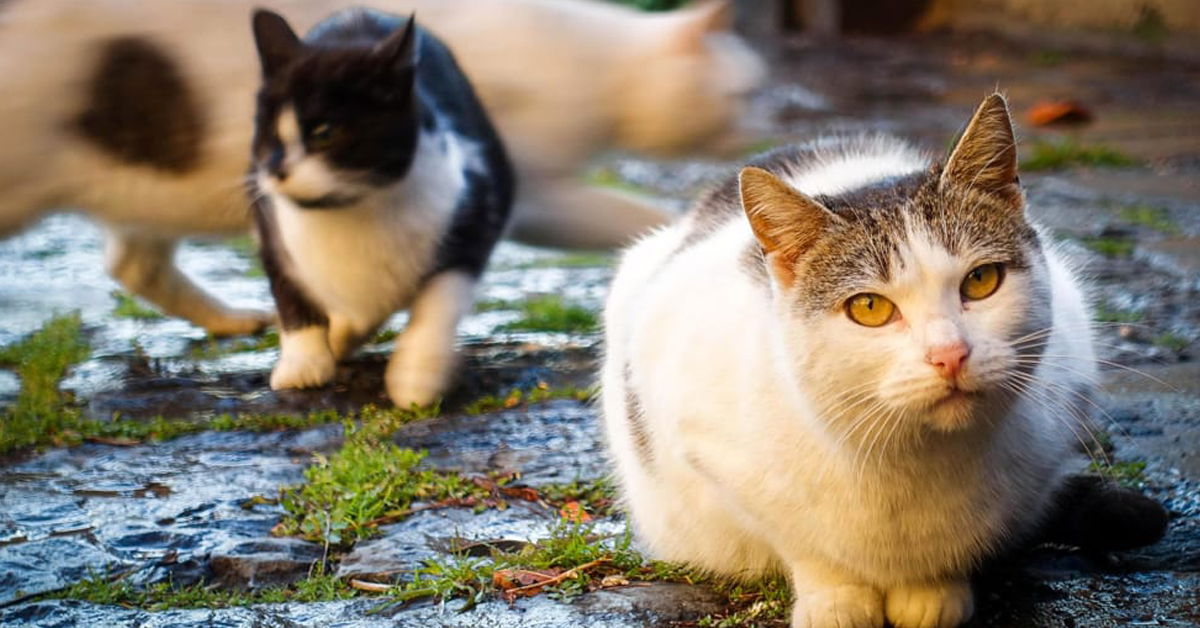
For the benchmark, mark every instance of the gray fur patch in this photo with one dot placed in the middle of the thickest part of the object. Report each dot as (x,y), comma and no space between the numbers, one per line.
(140,109)
(859,250)
(637,423)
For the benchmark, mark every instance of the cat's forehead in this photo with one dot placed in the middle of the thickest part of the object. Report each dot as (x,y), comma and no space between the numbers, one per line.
(890,229)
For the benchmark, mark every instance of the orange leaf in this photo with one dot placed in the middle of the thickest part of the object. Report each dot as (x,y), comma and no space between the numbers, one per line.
(1058,112)
(574,513)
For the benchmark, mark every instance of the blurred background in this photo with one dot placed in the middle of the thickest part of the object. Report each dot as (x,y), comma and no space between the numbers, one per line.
(1106,97)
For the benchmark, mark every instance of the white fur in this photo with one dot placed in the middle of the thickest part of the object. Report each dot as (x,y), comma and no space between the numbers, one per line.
(758,462)
(362,263)
(607,76)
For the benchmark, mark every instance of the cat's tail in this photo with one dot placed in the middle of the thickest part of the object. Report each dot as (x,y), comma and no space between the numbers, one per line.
(575,215)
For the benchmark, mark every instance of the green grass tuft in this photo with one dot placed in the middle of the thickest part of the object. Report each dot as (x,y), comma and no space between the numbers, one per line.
(551,314)
(1047,58)
(1130,474)
(130,307)
(42,414)
(1105,313)
(105,590)
(1156,218)
(1066,154)
(369,481)
(213,348)
(1109,246)
(572,550)
(762,603)
(517,397)
(1171,341)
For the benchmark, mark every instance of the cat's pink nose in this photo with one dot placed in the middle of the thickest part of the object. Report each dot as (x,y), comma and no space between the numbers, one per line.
(948,359)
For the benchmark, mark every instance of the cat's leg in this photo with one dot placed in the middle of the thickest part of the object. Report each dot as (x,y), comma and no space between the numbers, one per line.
(305,359)
(420,368)
(567,213)
(939,605)
(827,597)
(146,267)
(345,335)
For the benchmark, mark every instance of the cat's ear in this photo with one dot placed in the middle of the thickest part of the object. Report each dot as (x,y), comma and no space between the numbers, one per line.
(785,221)
(277,43)
(399,49)
(693,23)
(985,158)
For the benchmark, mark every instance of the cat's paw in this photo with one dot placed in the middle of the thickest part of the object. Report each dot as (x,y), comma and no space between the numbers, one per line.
(238,322)
(840,607)
(943,605)
(304,360)
(413,387)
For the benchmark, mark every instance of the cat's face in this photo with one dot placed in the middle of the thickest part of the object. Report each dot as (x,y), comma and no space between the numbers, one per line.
(334,123)
(918,302)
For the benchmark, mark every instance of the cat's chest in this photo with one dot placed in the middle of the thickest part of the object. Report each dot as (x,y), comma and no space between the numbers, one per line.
(367,260)
(362,260)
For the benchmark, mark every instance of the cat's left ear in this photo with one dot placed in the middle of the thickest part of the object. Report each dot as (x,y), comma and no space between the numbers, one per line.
(277,43)
(785,221)
(399,49)
(695,22)
(985,158)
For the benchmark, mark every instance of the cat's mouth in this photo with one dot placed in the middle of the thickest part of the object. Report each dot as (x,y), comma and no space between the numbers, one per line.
(332,200)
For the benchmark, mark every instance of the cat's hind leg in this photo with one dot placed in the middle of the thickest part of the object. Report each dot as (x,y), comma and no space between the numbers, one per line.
(146,267)
(423,362)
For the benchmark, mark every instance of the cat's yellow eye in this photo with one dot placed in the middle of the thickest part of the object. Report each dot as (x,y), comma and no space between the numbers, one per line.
(320,136)
(981,282)
(870,310)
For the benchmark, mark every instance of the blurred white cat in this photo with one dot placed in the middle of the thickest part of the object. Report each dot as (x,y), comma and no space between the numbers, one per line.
(140,115)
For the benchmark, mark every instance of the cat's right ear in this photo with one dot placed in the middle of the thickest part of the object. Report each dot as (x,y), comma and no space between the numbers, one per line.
(785,221)
(277,43)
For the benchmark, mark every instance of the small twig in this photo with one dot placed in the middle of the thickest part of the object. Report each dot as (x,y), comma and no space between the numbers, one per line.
(566,575)
(373,587)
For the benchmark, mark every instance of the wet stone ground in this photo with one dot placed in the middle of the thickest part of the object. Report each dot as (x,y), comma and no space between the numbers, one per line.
(181,509)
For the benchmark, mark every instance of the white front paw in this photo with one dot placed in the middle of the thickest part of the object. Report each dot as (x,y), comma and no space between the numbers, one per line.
(942,605)
(838,607)
(304,360)
(412,386)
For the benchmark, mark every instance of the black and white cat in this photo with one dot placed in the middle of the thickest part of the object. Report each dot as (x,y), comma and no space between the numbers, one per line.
(138,114)
(379,184)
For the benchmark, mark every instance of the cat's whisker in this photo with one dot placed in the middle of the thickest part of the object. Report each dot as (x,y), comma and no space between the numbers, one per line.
(1049,404)
(1112,364)
(1074,393)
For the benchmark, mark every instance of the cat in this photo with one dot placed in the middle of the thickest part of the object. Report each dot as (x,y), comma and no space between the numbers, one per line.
(378,184)
(139,114)
(853,366)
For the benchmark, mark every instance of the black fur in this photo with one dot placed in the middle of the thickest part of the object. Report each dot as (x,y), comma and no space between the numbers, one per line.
(1096,515)
(140,109)
(296,309)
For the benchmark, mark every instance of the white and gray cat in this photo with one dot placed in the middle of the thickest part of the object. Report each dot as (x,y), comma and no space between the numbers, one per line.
(853,366)
(139,114)
(378,184)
